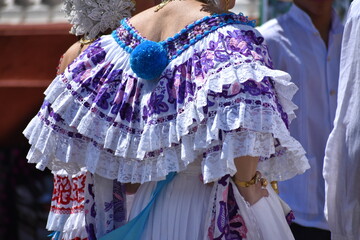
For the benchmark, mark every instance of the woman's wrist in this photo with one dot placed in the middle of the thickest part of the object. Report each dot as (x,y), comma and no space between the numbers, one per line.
(253,181)
(252,190)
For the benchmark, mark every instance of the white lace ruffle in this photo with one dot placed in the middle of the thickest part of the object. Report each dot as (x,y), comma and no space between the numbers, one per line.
(241,73)
(74,228)
(239,129)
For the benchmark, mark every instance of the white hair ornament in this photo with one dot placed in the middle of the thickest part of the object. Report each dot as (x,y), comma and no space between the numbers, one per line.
(91,18)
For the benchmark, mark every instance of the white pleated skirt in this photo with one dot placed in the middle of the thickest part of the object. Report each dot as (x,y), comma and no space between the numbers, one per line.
(179,213)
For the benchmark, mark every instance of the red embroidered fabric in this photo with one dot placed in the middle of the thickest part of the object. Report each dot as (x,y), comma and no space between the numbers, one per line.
(68,195)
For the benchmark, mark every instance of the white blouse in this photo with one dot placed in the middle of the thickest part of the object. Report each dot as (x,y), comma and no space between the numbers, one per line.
(342,156)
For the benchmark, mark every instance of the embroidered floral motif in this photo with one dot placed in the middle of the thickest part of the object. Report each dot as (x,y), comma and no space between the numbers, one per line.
(290,217)
(155,105)
(68,194)
(226,222)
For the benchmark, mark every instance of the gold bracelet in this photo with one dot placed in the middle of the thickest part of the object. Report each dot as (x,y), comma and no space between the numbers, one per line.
(257,178)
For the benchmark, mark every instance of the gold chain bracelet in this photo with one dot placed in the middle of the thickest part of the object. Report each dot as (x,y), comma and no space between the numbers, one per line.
(257,178)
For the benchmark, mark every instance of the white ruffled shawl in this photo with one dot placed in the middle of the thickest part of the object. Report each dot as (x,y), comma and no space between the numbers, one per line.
(232,127)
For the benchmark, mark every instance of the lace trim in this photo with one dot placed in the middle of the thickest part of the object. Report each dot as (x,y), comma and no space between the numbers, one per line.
(121,162)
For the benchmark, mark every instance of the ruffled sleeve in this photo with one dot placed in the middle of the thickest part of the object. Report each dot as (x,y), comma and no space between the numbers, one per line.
(244,108)
(218,100)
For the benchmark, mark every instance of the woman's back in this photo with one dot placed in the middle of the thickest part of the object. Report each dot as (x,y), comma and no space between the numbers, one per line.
(159,24)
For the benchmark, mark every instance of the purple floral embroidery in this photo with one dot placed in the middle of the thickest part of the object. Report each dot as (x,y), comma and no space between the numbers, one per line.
(237,228)
(202,61)
(100,77)
(284,115)
(186,89)
(126,112)
(213,22)
(267,87)
(115,76)
(234,40)
(250,37)
(156,104)
(252,87)
(220,52)
(211,98)
(243,41)
(223,180)
(170,88)
(96,54)
(290,217)
(102,99)
(78,71)
(213,45)
(56,116)
(222,220)
(226,222)
(79,68)
(207,61)
(47,107)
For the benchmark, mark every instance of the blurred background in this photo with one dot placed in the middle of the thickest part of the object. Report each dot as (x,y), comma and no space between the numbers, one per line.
(33,36)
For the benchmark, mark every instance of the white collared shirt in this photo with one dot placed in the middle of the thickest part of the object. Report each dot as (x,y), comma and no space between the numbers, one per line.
(295,46)
(342,156)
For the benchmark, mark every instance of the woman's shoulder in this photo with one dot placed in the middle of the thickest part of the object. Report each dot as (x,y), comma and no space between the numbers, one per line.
(71,53)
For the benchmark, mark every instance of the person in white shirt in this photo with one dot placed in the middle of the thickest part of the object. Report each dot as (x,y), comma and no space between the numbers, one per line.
(306,42)
(342,155)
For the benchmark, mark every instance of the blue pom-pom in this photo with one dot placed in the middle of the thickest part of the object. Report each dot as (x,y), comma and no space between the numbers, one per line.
(148,60)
